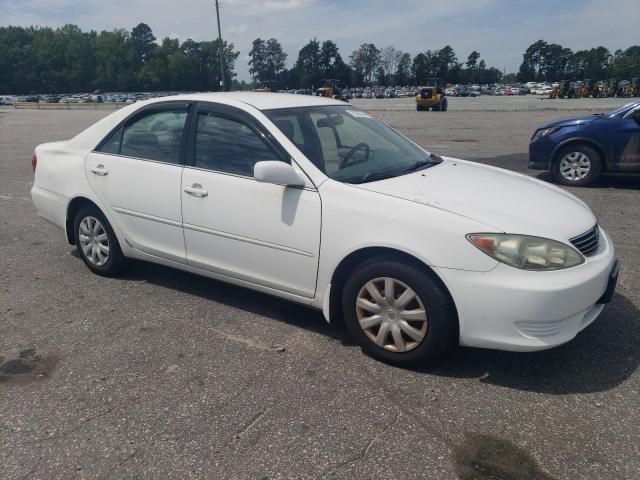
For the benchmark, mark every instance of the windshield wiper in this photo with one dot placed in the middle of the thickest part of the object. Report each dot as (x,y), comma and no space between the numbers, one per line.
(374,176)
(384,174)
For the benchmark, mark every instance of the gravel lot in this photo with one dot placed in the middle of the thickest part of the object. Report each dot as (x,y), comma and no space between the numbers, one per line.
(163,374)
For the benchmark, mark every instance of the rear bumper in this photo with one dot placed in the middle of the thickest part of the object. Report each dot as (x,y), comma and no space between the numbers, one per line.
(511,309)
(50,205)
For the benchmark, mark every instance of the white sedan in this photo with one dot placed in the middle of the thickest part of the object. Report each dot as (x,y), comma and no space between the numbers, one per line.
(318,202)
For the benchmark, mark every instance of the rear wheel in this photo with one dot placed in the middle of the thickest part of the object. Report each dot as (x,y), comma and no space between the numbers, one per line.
(97,243)
(445,105)
(397,313)
(577,165)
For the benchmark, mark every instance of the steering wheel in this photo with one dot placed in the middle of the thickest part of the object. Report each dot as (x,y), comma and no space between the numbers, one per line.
(350,153)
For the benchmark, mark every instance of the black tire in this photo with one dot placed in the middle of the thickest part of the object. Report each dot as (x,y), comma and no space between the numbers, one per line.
(419,108)
(442,323)
(116,261)
(594,159)
(438,106)
(445,105)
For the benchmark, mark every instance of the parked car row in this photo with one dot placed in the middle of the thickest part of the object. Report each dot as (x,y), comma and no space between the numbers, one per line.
(81,98)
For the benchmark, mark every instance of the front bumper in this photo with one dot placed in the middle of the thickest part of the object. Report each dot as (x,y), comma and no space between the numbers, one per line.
(511,309)
(540,153)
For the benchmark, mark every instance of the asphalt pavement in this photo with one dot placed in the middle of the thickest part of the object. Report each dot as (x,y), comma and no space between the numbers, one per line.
(162,374)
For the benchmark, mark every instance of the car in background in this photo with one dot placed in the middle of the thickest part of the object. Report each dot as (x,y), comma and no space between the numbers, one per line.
(577,150)
(315,201)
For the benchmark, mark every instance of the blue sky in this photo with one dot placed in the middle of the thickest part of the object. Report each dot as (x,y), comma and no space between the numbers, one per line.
(499,29)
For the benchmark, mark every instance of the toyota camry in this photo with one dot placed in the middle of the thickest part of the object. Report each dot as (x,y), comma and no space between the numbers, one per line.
(318,202)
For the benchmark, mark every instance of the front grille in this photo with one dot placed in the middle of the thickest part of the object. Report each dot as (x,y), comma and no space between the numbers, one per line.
(588,242)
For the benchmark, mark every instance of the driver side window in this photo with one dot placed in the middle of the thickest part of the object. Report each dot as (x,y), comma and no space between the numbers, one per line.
(228,146)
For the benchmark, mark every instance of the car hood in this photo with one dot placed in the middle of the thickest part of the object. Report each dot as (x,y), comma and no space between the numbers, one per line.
(503,200)
(572,121)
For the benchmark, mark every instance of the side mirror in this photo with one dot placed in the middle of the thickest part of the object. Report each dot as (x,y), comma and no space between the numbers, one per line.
(278,173)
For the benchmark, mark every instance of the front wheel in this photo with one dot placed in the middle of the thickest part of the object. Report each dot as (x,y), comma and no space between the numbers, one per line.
(97,242)
(397,313)
(577,165)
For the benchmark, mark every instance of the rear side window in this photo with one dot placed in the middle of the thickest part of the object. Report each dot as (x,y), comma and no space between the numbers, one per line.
(229,146)
(112,143)
(155,135)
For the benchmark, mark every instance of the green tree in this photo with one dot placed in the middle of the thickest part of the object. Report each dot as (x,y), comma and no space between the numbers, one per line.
(308,66)
(143,41)
(403,72)
(445,59)
(267,60)
(420,68)
(365,61)
(472,60)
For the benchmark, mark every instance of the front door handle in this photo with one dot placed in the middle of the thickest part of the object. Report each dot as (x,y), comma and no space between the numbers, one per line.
(100,170)
(196,190)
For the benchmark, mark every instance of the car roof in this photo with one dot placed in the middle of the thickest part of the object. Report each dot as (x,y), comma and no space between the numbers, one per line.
(259,100)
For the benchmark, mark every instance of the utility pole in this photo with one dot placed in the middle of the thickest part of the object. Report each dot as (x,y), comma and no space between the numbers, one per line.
(222,82)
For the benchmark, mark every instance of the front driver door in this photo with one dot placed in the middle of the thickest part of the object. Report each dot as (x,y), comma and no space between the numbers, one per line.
(261,233)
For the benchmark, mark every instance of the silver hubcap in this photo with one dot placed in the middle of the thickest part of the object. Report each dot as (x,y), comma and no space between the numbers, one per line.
(391,314)
(575,166)
(94,241)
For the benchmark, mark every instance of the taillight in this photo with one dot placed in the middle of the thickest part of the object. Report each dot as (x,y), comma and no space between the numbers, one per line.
(34,162)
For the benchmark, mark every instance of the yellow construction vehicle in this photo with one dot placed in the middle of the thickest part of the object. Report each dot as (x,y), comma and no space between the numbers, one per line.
(432,96)
(633,89)
(267,86)
(565,89)
(590,88)
(331,89)
(611,88)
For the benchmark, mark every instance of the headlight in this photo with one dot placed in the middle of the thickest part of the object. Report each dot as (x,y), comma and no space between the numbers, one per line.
(527,253)
(543,132)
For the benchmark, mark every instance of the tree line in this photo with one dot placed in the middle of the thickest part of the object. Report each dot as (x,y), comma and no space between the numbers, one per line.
(367,65)
(551,62)
(67,59)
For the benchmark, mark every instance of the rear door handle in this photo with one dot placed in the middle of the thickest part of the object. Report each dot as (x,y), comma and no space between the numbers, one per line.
(100,170)
(196,190)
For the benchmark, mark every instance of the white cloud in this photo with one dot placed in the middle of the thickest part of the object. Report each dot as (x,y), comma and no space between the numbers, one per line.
(238,29)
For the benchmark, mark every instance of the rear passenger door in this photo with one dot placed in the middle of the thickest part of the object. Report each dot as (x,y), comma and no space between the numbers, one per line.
(136,174)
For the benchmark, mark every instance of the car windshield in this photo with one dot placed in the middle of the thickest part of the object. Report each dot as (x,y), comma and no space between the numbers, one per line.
(350,145)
